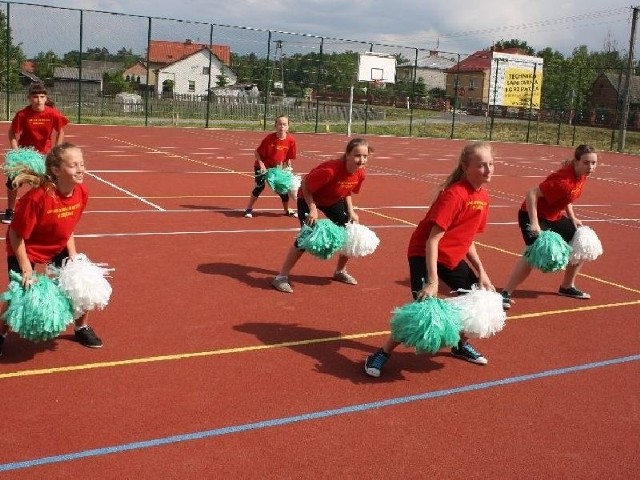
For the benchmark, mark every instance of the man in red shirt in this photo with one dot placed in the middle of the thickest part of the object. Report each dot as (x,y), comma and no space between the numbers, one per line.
(33,127)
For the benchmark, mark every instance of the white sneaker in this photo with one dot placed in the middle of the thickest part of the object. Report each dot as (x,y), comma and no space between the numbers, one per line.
(282,284)
(248,214)
(345,277)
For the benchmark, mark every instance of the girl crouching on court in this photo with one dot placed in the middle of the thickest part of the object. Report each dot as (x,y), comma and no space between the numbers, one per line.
(328,187)
(549,206)
(443,243)
(41,230)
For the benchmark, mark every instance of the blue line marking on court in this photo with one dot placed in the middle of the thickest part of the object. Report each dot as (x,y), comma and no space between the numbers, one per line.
(312,416)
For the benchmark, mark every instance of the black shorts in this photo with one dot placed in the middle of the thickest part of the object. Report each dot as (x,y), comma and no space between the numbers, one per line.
(337,212)
(462,276)
(14,266)
(563,227)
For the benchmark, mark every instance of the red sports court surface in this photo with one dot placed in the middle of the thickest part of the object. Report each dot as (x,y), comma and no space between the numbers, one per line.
(208,372)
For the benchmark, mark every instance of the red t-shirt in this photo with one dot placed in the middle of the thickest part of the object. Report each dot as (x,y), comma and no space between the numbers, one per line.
(34,129)
(461,211)
(559,190)
(46,221)
(330,182)
(274,151)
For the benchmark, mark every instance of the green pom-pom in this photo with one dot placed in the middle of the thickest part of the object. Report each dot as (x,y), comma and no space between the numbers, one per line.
(549,253)
(40,312)
(24,159)
(427,325)
(279,180)
(323,239)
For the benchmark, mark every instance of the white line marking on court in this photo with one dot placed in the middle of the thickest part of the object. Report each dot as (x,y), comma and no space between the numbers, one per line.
(126,192)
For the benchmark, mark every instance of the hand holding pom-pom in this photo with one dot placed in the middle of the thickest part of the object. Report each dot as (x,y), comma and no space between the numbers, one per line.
(323,239)
(279,180)
(549,252)
(426,325)
(38,311)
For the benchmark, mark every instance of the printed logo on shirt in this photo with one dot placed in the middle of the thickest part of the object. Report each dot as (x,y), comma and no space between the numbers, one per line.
(476,204)
(40,121)
(280,147)
(64,212)
(347,185)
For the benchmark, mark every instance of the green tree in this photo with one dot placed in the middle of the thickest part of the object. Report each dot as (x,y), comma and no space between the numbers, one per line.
(514,43)
(114,83)
(555,86)
(127,57)
(9,79)
(222,80)
(71,58)
(45,62)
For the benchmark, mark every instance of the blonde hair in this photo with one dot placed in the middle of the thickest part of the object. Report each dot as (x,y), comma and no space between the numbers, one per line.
(465,155)
(578,153)
(25,175)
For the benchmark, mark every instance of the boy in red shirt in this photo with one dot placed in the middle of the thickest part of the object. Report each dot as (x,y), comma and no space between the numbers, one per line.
(442,245)
(33,126)
(276,150)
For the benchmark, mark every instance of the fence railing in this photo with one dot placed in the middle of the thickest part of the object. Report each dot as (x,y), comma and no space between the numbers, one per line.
(310,78)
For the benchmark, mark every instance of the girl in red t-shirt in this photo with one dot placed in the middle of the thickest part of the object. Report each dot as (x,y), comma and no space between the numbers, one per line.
(42,229)
(328,188)
(277,149)
(549,206)
(442,247)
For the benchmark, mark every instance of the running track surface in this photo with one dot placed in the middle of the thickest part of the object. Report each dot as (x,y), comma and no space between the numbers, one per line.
(207,372)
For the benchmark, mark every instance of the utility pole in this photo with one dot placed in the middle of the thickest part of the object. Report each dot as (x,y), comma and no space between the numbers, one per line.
(627,82)
(278,50)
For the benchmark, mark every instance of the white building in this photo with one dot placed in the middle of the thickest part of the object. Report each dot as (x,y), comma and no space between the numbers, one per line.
(430,68)
(193,74)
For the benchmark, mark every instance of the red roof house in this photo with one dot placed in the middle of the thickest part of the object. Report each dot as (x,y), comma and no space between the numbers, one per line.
(165,52)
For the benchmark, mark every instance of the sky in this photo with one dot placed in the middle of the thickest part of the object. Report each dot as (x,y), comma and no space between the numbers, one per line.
(453,26)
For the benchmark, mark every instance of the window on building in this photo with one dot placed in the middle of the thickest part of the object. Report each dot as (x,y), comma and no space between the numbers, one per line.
(205,70)
(472,84)
(192,86)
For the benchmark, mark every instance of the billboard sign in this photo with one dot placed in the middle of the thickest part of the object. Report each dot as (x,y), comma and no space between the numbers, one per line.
(516,80)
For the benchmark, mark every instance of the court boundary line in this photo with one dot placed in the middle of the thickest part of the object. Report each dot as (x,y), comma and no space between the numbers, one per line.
(126,192)
(272,346)
(318,414)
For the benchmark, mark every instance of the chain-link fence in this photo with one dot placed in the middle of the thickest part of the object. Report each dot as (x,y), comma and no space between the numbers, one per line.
(103,67)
